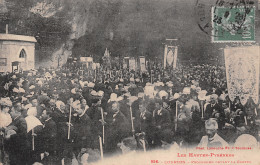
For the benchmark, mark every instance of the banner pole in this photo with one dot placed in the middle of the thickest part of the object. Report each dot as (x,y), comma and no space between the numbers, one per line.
(33,139)
(101,147)
(132,122)
(69,123)
(103,132)
(165,55)
(175,57)
(176,116)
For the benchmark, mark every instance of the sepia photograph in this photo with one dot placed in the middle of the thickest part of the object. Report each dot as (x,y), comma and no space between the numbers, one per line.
(129,82)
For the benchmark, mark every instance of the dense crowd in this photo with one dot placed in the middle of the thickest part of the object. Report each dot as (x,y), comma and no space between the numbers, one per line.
(58,115)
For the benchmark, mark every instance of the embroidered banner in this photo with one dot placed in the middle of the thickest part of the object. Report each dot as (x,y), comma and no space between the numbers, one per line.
(170,56)
(175,57)
(242,72)
(142,64)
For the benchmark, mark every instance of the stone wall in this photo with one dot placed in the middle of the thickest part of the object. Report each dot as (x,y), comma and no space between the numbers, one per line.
(10,50)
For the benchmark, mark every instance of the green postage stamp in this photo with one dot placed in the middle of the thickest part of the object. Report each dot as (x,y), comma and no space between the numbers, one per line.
(236,24)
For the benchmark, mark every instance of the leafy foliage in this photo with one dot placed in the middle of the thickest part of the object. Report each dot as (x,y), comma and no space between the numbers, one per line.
(50,32)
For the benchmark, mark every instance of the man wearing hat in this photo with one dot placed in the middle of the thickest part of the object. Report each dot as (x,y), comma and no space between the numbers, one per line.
(43,98)
(133,88)
(124,105)
(144,122)
(82,124)
(95,114)
(87,92)
(136,103)
(183,121)
(237,105)
(35,107)
(139,85)
(60,115)
(213,107)
(117,128)
(48,137)
(212,139)
(18,144)
(162,121)
(92,96)
(119,89)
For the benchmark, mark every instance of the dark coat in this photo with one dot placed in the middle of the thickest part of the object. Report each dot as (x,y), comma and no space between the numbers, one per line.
(94,114)
(61,120)
(19,144)
(82,125)
(135,107)
(117,128)
(162,119)
(144,122)
(83,132)
(125,109)
(48,136)
(209,110)
(19,141)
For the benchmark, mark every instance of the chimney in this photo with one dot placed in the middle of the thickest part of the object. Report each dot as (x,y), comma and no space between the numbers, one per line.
(6,28)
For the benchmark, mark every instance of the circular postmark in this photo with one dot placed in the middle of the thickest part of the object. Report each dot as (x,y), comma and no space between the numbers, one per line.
(203,15)
(226,18)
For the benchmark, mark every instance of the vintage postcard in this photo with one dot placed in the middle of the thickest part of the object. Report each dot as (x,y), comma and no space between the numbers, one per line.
(129,82)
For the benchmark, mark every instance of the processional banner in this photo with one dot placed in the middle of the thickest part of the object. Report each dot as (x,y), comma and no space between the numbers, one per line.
(170,56)
(132,64)
(125,62)
(88,61)
(142,64)
(242,73)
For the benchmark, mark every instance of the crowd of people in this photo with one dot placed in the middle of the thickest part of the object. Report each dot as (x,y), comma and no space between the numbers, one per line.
(56,116)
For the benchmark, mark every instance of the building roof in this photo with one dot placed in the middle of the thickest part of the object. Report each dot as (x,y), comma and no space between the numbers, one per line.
(13,37)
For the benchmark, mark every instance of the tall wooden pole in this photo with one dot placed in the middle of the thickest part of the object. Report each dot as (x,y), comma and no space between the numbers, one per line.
(132,122)
(103,132)
(33,139)
(176,116)
(69,123)
(101,148)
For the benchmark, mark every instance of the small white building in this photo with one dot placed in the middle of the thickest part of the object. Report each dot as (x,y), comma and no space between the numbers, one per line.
(17,52)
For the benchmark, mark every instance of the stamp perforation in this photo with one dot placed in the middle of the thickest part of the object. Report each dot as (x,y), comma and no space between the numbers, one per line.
(236,38)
